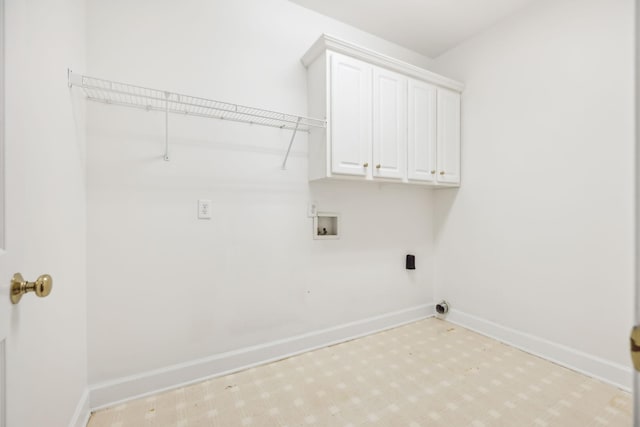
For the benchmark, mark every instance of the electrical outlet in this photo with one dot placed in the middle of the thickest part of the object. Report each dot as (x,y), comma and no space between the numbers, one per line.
(204,209)
(312,210)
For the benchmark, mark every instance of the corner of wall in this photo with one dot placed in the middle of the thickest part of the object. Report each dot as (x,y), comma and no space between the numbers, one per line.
(82,413)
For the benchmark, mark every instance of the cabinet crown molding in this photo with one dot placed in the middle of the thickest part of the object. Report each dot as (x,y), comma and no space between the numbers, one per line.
(328,42)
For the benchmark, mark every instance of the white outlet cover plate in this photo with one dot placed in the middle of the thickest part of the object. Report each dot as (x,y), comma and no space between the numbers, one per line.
(312,209)
(204,209)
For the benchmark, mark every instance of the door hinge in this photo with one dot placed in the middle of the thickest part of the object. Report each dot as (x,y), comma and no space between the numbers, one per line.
(635,347)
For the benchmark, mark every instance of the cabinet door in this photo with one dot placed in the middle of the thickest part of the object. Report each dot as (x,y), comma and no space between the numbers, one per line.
(448,137)
(389,124)
(350,115)
(421,156)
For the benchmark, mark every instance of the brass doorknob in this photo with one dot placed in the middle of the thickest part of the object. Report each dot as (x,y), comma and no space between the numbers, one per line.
(42,286)
(441,172)
(365,165)
(433,172)
(377,166)
(635,348)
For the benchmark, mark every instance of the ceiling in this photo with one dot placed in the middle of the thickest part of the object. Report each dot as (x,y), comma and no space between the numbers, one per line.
(430,27)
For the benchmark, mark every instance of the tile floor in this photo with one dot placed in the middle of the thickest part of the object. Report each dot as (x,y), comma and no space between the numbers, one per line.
(427,373)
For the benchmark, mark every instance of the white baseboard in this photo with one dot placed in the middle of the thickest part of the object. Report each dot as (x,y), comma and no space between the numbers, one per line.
(83,411)
(615,374)
(127,388)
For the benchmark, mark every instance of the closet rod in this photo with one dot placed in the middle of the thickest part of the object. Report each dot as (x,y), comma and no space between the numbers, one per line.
(117,93)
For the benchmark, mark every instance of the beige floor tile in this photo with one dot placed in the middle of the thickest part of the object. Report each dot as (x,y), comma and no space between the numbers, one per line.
(427,373)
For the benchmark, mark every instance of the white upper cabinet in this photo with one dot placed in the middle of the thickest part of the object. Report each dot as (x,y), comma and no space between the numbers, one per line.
(389,124)
(350,115)
(448,137)
(422,132)
(386,120)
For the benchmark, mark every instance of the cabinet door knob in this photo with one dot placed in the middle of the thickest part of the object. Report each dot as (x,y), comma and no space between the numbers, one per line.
(441,172)
(433,172)
(377,166)
(365,165)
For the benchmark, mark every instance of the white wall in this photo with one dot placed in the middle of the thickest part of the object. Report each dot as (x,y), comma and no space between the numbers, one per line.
(166,288)
(46,211)
(539,238)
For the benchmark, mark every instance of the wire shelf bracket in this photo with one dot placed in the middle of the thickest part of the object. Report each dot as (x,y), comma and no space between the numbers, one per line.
(116,93)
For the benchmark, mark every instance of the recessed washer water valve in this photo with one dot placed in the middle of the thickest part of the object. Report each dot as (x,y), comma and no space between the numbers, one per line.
(442,307)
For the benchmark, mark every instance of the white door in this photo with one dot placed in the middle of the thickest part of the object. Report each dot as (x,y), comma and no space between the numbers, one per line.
(42,340)
(389,124)
(422,132)
(350,115)
(448,162)
(636,373)
(5,306)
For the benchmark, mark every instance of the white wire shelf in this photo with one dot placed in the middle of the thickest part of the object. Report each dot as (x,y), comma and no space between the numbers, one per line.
(111,92)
